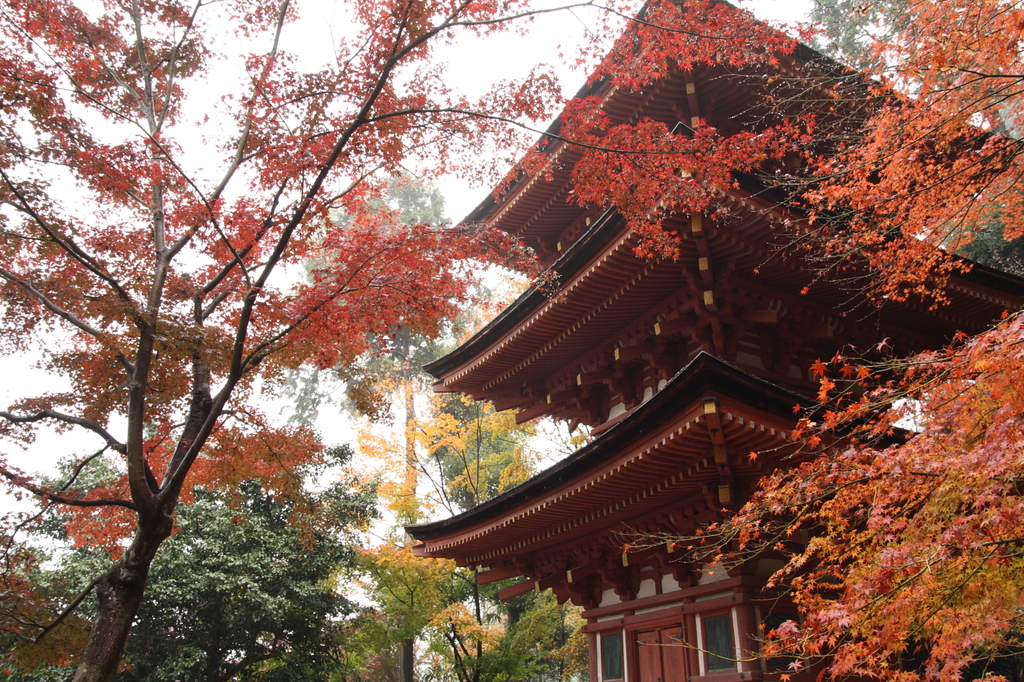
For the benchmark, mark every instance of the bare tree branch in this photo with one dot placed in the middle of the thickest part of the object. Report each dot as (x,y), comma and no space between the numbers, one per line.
(111,442)
(67,611)
(54,496)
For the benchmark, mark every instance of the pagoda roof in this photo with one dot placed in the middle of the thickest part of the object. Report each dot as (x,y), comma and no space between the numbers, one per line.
(538,207)
(571,261)
(544,331)
(527,302)
(465,536)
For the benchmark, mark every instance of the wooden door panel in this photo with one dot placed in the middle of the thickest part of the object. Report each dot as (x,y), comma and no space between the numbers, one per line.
(649,656)
(673,655)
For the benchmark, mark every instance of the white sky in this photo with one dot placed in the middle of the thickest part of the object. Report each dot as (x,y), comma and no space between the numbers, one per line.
(548,35)
(473,65)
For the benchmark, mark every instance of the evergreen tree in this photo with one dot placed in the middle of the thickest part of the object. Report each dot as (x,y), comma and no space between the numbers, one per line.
(244,592)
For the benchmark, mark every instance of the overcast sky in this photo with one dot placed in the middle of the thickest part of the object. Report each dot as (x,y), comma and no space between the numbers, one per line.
(515,55)
(473,66)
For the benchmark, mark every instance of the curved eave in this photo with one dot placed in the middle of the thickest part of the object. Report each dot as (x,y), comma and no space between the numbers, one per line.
(704,373)
(485,209)
(992,278)
(574,258)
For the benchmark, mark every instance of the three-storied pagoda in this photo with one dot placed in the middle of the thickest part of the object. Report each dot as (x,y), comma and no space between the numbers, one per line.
(682,369)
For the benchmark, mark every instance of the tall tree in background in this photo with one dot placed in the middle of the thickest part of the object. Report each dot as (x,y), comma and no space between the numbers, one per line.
(447,454)
(474,454)
(383,382)
(367,387)
(850,30)
(383,385)
(467,454)
(151,250)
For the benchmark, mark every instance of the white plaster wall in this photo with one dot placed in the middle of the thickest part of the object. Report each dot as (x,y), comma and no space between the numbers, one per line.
(712,573)
(647,589)
(608,597)
(669,583)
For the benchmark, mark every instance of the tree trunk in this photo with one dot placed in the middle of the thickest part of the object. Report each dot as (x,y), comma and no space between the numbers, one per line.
(408,652)
(407,660)
(120,594)
(412,469)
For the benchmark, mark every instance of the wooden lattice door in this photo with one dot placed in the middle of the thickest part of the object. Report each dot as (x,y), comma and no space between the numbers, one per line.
(662,655)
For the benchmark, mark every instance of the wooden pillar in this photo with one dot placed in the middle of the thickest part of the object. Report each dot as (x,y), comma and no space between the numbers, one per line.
(690,633)
(632,654)
(747,635)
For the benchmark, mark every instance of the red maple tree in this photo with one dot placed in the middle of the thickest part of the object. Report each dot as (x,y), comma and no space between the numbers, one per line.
(916,536)
(151,270)
(915,569)
(161,277)
(912,569)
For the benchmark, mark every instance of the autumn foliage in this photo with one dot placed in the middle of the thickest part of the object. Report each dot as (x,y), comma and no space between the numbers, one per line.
(914,507)
(150,239)
(160,197)
(903,538)
(938,161)
(900,524)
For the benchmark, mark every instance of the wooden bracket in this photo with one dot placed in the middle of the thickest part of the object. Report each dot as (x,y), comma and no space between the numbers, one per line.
(496,574)
(506,593)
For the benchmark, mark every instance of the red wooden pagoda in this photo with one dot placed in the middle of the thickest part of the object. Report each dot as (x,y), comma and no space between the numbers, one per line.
(682,369)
